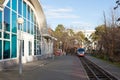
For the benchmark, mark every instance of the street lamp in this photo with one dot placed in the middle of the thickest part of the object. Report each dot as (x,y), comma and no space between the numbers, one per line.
(20,22)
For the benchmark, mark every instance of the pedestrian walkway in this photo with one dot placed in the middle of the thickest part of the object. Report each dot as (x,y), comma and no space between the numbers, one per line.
(61,68)
(110,68)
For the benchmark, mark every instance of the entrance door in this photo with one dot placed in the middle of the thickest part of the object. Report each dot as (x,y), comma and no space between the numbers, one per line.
(26,47)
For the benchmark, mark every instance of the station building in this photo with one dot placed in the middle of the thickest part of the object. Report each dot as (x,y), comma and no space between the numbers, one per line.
(30,38)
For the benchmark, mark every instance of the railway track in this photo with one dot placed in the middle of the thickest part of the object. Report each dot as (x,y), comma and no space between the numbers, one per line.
(94,72)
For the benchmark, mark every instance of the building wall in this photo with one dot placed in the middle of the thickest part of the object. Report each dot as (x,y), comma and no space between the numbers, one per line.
(27,35)
(88,33)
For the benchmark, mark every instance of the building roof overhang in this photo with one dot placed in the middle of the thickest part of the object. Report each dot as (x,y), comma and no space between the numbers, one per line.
(39,12)
(47,36)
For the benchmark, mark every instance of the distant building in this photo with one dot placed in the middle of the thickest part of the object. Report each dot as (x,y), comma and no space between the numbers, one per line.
(32,36)
(88,33)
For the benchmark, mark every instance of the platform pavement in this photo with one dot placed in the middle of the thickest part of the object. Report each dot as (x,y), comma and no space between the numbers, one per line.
(110,68)
(61,68)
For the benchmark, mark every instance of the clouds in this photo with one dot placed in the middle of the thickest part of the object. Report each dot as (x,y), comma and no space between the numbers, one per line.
(59,13)
(80,13)
(82,24)
(65,16)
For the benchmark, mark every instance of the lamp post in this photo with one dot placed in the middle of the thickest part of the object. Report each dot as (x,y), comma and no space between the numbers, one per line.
(20,22)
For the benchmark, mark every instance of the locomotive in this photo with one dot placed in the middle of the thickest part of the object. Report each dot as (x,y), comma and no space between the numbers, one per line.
(81,52)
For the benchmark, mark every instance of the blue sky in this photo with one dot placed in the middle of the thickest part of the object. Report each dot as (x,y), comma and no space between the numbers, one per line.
(76,14)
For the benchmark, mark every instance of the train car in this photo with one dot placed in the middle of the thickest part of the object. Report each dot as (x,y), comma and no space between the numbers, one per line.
(81,52)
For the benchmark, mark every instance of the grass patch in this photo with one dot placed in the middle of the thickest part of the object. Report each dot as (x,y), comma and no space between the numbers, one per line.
(107,60)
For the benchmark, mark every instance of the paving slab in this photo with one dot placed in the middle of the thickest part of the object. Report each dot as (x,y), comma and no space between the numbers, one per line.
(61,68)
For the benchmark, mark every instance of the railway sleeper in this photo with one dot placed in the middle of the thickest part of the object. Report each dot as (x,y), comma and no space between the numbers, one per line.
(94,72)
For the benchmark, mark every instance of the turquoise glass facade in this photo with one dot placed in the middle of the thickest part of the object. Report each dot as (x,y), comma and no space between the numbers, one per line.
(0,20)
(14,4)
(9,27)
(0,34)
(24,26)
(24,9)
(7,19)
(6,35)
(0,49)
(14,24)
(6,50)
(20,7)
(14,46)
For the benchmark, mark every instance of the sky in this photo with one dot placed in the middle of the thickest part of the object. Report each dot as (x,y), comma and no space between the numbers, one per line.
(76,14)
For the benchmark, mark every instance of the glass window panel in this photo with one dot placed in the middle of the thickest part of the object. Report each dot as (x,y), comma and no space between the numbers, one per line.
(30,47)
(32,28)
(20,7)
(32,16)
(34,19)
(24,26)
(19,27)
(24,9)
(14,5)
(28,27)
(0,20)
(14,46)
(35,37)
(6,36)
(8,4)
(14,21)
(0,49)
(0,34)
(6,50)
(38,34)
(38,48)
(7,19)
(35,47)
(28,10)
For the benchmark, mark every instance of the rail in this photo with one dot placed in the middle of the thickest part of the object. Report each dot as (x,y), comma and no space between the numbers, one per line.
(94,72)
